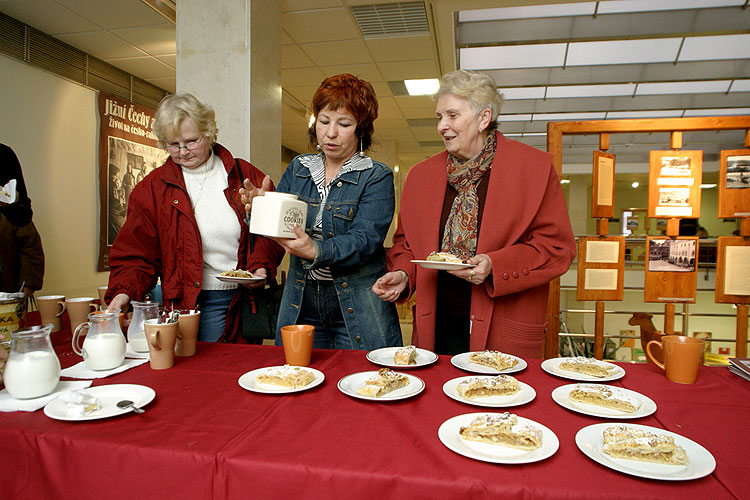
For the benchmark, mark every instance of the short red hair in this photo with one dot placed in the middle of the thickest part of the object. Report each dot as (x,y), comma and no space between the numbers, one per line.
(352,94)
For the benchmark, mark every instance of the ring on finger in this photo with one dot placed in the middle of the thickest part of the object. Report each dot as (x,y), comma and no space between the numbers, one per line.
(471,273)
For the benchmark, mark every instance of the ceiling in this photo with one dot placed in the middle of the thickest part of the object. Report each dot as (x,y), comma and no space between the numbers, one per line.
(322,37)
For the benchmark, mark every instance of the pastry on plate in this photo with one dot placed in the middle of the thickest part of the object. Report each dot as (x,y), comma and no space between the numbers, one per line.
(494,359)
(383,382)
(406,355)
(503,429)
(237,273)
(445,257)
(293,377)
(631,443)
(604,395)
(479,387)
(587,366)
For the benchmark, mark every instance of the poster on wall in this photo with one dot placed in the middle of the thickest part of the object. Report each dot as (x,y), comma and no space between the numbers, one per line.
(128,151)
(674,184)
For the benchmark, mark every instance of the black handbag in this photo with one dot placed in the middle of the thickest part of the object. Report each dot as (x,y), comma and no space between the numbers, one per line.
(260,310)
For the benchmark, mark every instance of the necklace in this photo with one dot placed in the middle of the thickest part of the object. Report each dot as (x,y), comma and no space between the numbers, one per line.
(198,183)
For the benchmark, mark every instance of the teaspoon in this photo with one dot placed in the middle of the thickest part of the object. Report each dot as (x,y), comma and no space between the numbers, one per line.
(125,403)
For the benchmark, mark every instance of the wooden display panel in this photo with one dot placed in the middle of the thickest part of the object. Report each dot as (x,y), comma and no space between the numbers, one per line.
(671,269)
(734,183)
(674,184)
(733,270)
(601,268)
(603,196)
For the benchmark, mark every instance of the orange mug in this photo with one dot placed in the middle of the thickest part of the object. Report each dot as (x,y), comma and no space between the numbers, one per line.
(297,340)
(683,356)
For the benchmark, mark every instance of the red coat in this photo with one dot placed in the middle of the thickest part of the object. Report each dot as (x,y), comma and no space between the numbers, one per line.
(160,238)
(525,231)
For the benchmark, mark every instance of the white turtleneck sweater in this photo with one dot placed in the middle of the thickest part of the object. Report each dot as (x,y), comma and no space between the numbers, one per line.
(217,222)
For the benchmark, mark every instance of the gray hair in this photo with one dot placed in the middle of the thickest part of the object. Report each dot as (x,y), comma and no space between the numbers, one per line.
(173,109)
(477,88)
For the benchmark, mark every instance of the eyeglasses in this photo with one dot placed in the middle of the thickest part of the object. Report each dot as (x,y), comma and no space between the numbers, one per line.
(190,146)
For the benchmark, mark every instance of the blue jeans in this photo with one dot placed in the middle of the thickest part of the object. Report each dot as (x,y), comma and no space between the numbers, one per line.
(213,307)
(320,308)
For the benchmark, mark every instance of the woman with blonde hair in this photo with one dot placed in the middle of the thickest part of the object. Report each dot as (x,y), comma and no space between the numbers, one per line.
(185,225)
(494,203)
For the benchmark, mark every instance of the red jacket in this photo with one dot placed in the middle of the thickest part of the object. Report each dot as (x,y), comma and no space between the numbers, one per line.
(160,238)
(525,231)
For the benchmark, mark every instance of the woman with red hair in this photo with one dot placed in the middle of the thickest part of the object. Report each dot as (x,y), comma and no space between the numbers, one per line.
(336,258)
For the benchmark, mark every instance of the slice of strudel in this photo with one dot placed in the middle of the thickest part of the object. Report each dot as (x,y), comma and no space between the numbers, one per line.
(604,395)
(405,355)
(503,429)
(478,387)
(637,444)
(286,376)
(383,382)
(494,359)
(587,366)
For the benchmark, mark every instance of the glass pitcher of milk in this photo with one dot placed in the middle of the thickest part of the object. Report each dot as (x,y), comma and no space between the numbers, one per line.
(32,369)
(136,332)
(104,345)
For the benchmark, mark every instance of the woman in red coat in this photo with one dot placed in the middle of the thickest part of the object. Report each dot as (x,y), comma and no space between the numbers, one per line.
(185,225)
(498,205)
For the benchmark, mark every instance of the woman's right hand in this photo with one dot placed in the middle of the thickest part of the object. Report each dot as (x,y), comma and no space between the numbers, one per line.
(249,191)
(390,286)
(118,303)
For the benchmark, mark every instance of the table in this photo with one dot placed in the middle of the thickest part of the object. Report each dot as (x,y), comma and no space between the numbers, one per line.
(206,437)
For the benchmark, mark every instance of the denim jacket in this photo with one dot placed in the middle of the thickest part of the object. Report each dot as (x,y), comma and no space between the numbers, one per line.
(356,219)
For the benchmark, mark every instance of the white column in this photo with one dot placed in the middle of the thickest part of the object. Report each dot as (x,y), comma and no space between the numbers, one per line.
(229,57)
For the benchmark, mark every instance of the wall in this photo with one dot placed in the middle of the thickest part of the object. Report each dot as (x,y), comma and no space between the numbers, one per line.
(52,126)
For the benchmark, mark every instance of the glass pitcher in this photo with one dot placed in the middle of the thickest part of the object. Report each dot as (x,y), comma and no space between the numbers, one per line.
(136,332)
(32,369)
(104,346)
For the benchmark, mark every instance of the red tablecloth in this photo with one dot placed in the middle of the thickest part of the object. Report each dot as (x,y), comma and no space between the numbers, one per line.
(206,437)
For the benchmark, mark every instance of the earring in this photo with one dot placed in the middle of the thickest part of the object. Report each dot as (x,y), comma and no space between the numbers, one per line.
(360,146)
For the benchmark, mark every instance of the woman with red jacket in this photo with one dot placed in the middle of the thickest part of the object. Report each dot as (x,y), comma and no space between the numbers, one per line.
(185,225)
(498,205)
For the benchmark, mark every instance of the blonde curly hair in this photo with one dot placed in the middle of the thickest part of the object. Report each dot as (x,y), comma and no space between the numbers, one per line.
(477,88)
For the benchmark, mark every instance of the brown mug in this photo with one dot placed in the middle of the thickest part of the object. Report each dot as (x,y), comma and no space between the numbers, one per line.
(161,339)
(683,356)
(51,307)
(79,309)
(297,340)
(187,332)
(102,291)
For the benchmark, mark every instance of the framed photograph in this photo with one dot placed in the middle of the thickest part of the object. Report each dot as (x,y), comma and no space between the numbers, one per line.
(734,183)
(733,270)
(601,268)
(671,269)
(674,184)
(603,194)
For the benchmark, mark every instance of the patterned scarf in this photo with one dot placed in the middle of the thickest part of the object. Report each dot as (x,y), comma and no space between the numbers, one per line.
(461,233)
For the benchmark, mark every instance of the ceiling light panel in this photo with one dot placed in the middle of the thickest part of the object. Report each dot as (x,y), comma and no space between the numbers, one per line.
(623,52)
(740,86)
(523,93)
(711,48)
(711,86)
(554,117)
(660,113)
(718,112)
(527,12)
(513,56)
(590,90)
(623,6)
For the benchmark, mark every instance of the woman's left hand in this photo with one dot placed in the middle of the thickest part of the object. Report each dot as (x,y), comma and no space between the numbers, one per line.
(301,246)
(258,273)
(477,274)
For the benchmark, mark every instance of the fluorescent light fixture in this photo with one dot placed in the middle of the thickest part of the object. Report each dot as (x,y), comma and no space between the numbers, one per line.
(513,118)
(708,186)
(718,112)
(740,86)
(661,113)
(635,184)
(534,134)
(564,181)
(624,6)
(560,117)
(513,94)
(704,87)
(395,169)
(623,52)
(606,90)
(712,48)
(426,86)
(528,12)
(513,56)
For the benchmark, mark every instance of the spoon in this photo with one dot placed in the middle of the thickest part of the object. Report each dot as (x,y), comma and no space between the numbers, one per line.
(126,403)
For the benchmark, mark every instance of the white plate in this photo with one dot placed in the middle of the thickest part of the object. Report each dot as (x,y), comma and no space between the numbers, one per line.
(349,385)
(442,266)
(552,366)
(462,361)
(238,280)
(526,394)
(384,357)
(248,381)
(108,396)
(449,436)
(700,461)
(648,406)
